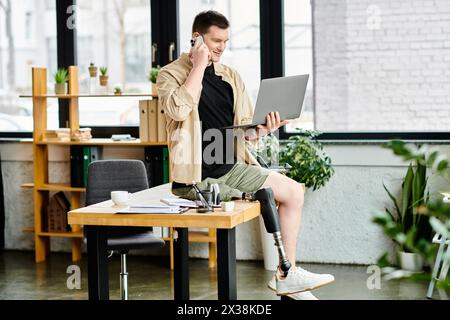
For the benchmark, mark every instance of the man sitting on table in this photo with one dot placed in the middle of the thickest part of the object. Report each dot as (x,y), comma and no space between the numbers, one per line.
(200,96)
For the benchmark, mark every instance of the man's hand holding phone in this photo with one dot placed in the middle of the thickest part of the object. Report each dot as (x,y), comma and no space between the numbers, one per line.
(199,54)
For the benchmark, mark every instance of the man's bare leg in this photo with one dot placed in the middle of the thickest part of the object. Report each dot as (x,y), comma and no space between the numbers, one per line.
(290,195)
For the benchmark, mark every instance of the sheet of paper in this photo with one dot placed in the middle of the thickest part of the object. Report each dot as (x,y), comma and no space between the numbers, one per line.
(152,209)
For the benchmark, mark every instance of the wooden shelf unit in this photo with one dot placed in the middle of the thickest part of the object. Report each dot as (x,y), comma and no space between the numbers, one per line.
(41,185)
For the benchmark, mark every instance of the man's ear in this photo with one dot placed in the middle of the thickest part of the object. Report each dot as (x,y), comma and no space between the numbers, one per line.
(195,35)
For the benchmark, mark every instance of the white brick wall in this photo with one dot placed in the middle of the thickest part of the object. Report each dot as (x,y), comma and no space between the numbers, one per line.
(382,64)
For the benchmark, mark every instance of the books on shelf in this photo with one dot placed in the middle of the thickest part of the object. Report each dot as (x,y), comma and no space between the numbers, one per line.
(66,135)
(81,134)
(152,121)
(143,119)
(61,134)
(157,165)
(80,158)
(161,122)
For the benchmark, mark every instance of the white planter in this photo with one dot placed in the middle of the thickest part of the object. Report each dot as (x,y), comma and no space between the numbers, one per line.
(269,250)
(410,261)
(61,88)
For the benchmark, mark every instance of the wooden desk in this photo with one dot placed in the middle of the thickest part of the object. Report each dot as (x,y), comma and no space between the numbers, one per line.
(96,217)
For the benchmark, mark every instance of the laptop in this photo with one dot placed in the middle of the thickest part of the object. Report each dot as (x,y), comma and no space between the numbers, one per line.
(284,94)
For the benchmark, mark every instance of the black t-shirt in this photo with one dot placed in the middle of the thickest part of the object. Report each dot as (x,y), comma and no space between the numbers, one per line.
(216,111)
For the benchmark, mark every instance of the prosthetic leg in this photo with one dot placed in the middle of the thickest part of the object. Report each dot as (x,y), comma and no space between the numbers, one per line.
(269,213)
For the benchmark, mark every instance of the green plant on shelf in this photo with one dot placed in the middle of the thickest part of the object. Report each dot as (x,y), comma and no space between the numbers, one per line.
(104,71)
(117,90)
(153,74)
(104,76)
(61,76)
(92,70)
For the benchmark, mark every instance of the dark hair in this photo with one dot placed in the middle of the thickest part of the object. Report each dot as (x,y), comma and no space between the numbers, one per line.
(204,20)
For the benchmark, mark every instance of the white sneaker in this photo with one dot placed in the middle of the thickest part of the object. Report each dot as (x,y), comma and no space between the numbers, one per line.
(306,295)
(299,280)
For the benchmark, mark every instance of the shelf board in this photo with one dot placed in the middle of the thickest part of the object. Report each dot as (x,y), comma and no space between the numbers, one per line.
(71,96)
(103,142)
(199,236)
(54,187)
(28,185)
(67,234)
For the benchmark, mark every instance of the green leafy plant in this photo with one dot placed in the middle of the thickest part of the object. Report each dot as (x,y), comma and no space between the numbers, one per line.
(61,76)
(433,211)
(103,71)
(410,223)
(309,163)
(153,74)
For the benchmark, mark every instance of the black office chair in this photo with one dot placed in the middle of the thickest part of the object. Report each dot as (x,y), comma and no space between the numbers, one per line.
(105,176)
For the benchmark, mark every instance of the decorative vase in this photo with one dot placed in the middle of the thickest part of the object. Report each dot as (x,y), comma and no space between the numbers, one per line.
(61,88)
(410,261)
(93,72)
(154,89)
(104,80)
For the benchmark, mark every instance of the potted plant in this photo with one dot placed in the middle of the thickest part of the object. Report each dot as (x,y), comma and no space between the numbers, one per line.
(152,76)
(92,70)
(308,162)
(117,91)
(405,225)
(61,77)
(104,76)
(435,210)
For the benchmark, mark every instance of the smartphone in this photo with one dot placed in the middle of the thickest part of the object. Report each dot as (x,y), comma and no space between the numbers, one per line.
(200,37)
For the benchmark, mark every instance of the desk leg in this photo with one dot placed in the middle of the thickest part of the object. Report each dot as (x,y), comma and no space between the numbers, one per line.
(97,263)
(181,265)
(226,264)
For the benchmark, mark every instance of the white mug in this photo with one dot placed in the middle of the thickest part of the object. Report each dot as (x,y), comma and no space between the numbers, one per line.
(120,198)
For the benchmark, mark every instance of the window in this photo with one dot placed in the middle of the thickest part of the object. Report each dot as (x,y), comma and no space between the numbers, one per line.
(115,34)
(382,66)
(20,50)
(243,48)
(299,55)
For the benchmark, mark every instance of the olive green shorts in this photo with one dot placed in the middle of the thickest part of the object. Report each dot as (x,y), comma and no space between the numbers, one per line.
(241,178)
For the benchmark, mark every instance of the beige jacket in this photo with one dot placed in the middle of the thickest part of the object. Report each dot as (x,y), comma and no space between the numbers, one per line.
(183,121)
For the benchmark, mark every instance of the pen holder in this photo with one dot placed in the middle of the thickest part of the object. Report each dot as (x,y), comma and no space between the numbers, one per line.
(209,198)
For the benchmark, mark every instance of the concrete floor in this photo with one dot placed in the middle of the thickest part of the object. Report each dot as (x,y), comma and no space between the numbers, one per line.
(150,278)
